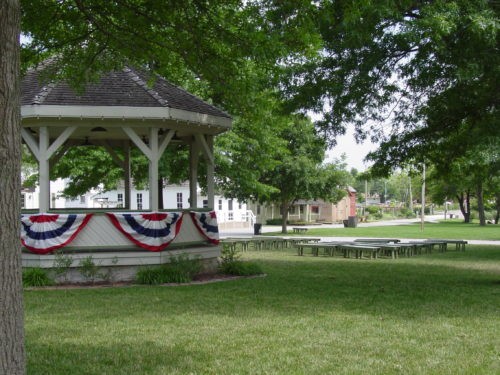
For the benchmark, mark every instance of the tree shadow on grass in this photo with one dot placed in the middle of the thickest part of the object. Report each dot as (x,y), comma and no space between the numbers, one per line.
(140,357)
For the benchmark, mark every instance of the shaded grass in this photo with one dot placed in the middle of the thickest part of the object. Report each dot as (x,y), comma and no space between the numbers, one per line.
(445,229)
(433,314)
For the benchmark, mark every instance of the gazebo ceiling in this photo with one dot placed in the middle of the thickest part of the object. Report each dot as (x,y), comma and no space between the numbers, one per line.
(120,98)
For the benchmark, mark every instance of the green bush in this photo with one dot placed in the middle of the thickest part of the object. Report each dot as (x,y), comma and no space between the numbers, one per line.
(181,269)
(88,269)
(230,265)
(407,213)
(277,221)
(150,276)
(36,277)
(240,268)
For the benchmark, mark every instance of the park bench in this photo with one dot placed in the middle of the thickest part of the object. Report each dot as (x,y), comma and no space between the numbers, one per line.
(378,240)
(459,244)
(299,230)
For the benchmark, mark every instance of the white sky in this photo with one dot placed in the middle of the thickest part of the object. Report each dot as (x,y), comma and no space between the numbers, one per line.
(354,152)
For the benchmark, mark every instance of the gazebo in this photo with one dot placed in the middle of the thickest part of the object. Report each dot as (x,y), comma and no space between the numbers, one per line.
(123,108)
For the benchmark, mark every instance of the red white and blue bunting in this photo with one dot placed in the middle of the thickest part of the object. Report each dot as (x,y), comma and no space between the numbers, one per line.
(44,233)
(206,222)
(152,231)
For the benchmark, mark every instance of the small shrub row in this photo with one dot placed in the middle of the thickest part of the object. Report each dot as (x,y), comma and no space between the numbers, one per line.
(181,269)
(36,276)
(240,268)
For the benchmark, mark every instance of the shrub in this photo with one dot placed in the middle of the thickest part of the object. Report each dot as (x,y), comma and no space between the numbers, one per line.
(181,269)
(407,213)
(230,265)
(277,221)
(240,268)
(88,268)
(36,277)
(150,276)
(62,264)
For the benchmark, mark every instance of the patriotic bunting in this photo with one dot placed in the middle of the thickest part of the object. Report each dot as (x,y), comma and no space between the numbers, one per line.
(206,222)
(44,233)
(152,231)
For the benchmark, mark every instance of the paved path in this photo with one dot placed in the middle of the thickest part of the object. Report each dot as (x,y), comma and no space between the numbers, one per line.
(248,232)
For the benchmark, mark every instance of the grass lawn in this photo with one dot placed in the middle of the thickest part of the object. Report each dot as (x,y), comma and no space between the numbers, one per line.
(430,314)
(445,229)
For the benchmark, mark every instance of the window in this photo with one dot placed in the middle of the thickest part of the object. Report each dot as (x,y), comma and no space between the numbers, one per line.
(139,201)
(315,209)
(230,205)
(23,200)
(179,200)
(82,199)
(230,216)
(53,200)
(220,204)
(120,200)
(205,203)
(258,209)
(240,205)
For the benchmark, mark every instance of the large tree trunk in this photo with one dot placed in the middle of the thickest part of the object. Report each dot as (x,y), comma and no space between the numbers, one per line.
(284,215)
(12,357)
(464,203)
(497,201)
(160,193)
(480,204)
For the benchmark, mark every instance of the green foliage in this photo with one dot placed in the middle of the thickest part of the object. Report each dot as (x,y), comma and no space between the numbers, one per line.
(240,268)
(275,221)
(62,264)
(89,269)
(181,269)
(34,277)
(150,276)
(230,264)
(375,211)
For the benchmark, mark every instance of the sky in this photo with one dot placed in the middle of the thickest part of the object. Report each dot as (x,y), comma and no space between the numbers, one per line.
(355,152)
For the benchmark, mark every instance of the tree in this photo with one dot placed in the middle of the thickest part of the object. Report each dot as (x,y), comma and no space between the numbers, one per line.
(398,70)
(298,173)
(12,357)
(475,174)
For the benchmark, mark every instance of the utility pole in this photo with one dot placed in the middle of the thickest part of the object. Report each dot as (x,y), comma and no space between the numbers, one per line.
(422,216)
(366,195)
(411,196)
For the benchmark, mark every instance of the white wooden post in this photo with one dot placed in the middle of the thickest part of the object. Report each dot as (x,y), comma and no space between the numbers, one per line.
(153,152)
(126,174)
(210,173)
(193,174)
(153,169)
(43,170)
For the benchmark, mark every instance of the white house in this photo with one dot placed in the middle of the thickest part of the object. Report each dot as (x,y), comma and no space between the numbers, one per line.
(230,212)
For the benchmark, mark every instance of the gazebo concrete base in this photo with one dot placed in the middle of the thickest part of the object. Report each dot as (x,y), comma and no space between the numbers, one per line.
(123,265)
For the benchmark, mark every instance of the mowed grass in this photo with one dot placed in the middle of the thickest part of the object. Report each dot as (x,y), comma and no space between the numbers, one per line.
(429,314)
(445,229)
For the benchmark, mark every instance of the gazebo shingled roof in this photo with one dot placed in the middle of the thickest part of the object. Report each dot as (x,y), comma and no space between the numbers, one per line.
(128,87)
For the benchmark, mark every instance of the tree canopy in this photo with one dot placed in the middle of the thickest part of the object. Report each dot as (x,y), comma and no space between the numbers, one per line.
(415,75)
